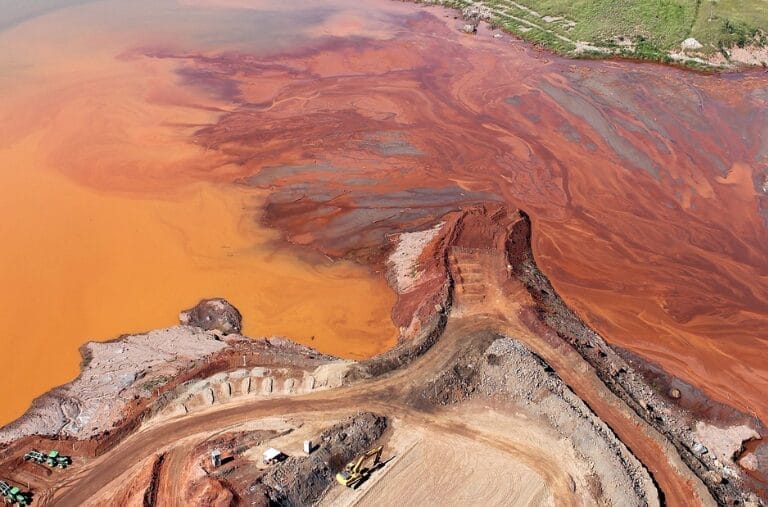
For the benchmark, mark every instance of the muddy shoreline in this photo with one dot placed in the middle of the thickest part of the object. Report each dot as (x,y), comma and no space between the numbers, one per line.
(489,230)
(389,178)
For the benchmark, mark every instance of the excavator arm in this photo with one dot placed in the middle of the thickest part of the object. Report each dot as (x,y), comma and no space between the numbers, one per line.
(353,472)
(365,457)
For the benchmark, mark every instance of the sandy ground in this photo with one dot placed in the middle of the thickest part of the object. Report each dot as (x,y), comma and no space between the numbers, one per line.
(514,443)
(431,468)
(424,465)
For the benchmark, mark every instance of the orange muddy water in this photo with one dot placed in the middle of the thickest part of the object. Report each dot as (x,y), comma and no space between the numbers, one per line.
(108,226)
(340,122)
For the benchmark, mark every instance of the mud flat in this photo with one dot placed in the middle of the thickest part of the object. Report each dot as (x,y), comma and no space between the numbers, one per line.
(490,360)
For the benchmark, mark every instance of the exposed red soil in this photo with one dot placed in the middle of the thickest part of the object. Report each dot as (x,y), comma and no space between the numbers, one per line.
(208,491)
(241,353)
(485,253)
(645,184)
(141,489)
(182,481)
(492,289)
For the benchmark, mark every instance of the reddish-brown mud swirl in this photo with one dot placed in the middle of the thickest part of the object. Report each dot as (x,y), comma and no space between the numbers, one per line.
(647,184)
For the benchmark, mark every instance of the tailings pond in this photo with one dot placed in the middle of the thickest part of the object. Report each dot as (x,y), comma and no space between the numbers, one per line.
(156,152)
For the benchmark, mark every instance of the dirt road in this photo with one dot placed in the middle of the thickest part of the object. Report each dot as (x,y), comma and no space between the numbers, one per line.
(426,468)
(384,395)
(561,434)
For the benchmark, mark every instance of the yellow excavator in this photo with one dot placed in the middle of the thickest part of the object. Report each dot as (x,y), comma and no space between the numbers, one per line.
(354,473)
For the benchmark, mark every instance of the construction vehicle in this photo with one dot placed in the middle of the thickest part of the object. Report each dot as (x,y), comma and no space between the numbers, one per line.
(53,459)
(36,456)
(13,495)
(57,460)
(355,473)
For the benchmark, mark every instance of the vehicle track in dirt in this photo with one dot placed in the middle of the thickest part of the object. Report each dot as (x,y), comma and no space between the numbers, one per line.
(383,395)
(486,305)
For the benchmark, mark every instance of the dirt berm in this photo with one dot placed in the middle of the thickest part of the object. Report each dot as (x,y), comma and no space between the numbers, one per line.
(484,258)
(490,361)
(304,480)
(510,373)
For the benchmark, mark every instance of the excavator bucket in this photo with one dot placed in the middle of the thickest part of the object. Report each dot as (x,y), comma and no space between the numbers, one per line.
(354,473)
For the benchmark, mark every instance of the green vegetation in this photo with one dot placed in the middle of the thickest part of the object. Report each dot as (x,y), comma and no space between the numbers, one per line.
(647,29)
(723,24)
(661,23)
(647,50)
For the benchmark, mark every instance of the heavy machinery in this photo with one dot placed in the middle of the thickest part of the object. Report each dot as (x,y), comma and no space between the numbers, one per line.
(56,460)
(53,459)
(13,495)
(36,456)
(355,473)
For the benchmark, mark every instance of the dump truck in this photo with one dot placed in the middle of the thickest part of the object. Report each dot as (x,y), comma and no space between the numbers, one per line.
(355,472)
(53,459)
(14,495)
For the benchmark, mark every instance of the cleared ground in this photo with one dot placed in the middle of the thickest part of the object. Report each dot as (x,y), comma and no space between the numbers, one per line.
(428,468)
(475,415)
(463,448)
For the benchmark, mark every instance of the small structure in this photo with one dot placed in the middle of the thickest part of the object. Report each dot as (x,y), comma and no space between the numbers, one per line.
(272,456)
(216,458)
(307,447)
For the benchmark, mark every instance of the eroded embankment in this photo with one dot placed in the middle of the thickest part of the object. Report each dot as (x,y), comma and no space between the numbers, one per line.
(648,185)
(479,322)
(508,371)
(137,377)
(646,182)
(709,436)
(681,424)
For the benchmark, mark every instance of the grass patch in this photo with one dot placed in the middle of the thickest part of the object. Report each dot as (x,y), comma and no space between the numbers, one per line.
(534,35)
(723,24)
(646,50)
(664,23)
(655,26)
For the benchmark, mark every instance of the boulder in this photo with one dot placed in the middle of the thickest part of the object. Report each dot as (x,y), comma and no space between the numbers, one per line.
(213,315)
(691,43)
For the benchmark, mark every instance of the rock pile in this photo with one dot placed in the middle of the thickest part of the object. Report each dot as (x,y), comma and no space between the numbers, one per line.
(215,314)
